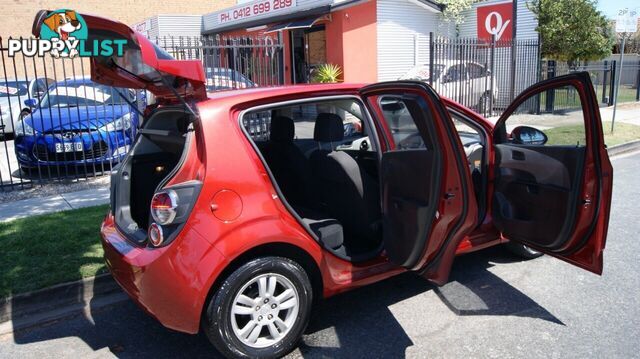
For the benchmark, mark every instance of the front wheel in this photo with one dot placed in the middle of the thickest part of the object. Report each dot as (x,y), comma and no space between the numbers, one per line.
(260,310)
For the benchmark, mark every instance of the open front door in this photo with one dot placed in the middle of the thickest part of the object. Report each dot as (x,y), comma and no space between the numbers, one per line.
(427,196)
(553,177)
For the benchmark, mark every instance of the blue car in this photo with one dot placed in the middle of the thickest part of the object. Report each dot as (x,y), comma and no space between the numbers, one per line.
(77,123)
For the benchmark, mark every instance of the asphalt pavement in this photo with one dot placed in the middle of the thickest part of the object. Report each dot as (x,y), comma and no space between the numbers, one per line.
(494,306)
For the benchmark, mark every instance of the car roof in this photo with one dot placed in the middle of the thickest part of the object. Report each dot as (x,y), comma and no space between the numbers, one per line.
(257,93)
(75,81)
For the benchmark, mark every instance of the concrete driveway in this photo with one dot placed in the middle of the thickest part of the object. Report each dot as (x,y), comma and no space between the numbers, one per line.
(493,306)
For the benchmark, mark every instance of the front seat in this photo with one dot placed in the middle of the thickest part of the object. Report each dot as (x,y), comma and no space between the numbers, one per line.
(288,164)
(347,192)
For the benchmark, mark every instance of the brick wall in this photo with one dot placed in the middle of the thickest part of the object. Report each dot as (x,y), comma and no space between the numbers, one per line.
(126,11)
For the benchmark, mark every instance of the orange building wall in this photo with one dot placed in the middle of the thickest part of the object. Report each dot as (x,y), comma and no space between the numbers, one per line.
(352,42)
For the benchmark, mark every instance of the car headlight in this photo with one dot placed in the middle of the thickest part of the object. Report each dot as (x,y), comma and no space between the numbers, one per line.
(22,128)
(121,123)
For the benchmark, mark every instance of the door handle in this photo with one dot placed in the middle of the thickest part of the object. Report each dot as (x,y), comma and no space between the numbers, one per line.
(517,155)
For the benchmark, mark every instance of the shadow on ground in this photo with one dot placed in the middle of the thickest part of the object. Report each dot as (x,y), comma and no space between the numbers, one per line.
(349,325)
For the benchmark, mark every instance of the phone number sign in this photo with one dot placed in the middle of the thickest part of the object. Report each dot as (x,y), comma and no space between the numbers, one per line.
(255,9)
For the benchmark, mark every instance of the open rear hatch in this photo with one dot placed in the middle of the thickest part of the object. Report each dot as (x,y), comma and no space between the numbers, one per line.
(143,65)
(166,135)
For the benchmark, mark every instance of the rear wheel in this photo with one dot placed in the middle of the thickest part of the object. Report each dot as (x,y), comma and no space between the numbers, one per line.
(260,310)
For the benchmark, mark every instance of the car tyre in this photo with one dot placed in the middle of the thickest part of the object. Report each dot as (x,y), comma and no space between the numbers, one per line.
(522,250)
(227,321)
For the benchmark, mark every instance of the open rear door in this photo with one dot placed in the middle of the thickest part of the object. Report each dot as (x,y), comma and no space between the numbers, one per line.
(553,178)
(427,196)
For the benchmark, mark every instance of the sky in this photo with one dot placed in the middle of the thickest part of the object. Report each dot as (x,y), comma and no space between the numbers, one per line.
(610,7)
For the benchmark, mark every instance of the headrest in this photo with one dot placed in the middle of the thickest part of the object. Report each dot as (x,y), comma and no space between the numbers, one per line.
(329,128)
(282,129)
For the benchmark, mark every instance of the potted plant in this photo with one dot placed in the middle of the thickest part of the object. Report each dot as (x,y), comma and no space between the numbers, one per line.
(327,73)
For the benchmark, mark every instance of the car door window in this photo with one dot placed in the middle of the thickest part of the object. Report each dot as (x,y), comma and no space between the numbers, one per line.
(556,113)
(476,71)
(404,132)
(40,88)
(455,73)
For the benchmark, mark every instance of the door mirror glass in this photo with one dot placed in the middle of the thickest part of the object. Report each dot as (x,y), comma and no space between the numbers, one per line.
(31,102)
(525,135)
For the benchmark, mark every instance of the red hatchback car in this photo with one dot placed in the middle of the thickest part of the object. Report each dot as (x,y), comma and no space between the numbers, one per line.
(235,211)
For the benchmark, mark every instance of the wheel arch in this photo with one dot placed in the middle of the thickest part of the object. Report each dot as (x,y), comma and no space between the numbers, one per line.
(272,249)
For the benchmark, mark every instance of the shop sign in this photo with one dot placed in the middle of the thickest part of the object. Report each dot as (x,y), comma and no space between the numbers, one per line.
(260,8)
(495,20)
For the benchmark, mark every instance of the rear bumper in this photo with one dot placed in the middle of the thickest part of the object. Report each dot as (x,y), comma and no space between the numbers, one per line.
(170,283)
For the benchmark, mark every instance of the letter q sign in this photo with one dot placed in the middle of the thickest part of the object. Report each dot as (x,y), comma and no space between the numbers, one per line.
(495,20)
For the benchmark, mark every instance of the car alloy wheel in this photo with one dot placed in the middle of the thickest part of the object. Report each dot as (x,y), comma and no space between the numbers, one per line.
(268,301)
(260,310)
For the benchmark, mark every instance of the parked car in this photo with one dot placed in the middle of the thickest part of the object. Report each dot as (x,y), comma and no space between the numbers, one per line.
(465,81)
(78,122)
(12,95)
(221,78)
(213,229)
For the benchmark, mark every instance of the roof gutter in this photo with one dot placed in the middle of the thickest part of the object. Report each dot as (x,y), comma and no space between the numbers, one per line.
(270,20)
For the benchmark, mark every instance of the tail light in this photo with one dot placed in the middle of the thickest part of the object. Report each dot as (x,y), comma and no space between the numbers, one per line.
(155,234)
(164,207)
(170,209)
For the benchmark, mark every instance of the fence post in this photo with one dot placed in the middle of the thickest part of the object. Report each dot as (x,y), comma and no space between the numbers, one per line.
(493,74)
(612,82)
(638,83)
(551,73)
(431,58)
(604,81)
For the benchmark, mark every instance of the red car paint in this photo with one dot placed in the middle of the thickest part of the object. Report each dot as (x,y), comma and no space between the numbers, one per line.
(238,212)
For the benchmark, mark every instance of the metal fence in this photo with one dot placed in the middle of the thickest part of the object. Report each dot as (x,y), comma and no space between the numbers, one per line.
(481,74)
(57,125)
(231,62)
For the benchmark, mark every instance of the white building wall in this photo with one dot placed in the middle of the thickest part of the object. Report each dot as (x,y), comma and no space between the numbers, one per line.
(403,36)
(170,25)
(179,25)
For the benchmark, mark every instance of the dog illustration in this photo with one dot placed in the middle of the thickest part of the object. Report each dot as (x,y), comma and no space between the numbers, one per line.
(63,24)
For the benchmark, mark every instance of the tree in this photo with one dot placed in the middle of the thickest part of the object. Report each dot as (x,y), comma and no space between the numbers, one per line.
(453,10)
(572,30)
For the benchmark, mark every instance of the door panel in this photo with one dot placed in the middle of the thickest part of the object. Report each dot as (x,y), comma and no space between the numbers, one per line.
(554,194)
(427,197)
(533,186)
(408,202)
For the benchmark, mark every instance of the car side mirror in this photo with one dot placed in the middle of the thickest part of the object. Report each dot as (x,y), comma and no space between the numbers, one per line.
(525,135)
(31,102)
